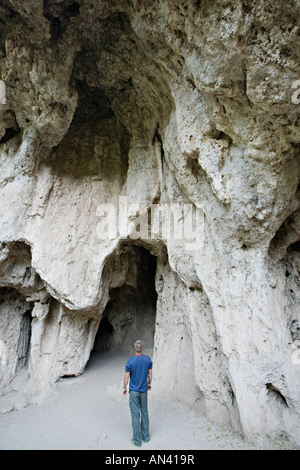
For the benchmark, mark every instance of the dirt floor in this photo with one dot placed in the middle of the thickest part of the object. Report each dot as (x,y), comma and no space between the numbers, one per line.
(89,413)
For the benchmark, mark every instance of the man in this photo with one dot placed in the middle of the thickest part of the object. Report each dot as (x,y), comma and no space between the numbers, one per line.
(139,369)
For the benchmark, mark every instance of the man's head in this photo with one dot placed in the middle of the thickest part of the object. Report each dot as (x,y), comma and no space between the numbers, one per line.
(138,347)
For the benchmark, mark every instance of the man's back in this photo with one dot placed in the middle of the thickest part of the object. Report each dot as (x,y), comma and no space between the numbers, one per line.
(139,370)
(139,366)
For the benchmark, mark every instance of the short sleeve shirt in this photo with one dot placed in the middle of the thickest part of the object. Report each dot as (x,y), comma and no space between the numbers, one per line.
(138,366)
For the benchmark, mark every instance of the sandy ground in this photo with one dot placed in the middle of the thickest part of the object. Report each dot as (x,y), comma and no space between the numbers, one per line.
(90,413)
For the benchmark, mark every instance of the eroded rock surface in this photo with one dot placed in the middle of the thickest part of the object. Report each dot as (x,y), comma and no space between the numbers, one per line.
(162,102)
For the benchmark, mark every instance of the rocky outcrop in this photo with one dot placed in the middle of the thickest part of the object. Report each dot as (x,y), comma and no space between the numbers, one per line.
(135,104)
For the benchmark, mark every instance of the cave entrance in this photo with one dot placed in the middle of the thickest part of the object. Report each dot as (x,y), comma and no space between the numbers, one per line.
(131,311)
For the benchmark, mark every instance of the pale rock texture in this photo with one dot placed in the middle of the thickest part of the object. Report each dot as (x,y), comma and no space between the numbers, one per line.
(162,102)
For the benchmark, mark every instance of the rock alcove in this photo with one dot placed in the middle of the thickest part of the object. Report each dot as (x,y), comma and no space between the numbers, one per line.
(131,311)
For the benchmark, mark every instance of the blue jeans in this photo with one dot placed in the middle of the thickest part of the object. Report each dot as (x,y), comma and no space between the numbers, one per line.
(138,403)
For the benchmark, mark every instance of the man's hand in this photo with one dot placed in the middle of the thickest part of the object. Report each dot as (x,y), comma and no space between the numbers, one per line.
(125,382)
(149,379)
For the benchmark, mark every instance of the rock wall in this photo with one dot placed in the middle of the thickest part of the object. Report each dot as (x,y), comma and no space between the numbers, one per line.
(164,102)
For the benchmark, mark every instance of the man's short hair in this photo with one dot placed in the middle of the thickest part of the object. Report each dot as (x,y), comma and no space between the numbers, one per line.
(138,347)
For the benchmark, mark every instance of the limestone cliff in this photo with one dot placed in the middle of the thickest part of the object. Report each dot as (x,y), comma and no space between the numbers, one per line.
(194,103)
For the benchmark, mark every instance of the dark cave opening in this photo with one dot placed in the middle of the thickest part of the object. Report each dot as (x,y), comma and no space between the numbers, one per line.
(104,335)
(16,329)
(24,341)
(131,311)
(9,134)
(295,247)
(59,14)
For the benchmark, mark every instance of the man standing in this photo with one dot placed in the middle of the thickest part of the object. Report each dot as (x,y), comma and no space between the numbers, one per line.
(139,369)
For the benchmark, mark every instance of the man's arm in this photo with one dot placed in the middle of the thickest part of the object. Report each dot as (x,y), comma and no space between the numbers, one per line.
(125,382)
(149,379)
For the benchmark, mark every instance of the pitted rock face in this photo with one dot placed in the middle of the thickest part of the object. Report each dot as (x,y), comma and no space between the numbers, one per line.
(157,103)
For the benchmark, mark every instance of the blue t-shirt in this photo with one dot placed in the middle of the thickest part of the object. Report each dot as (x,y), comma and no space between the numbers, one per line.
(138,366)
